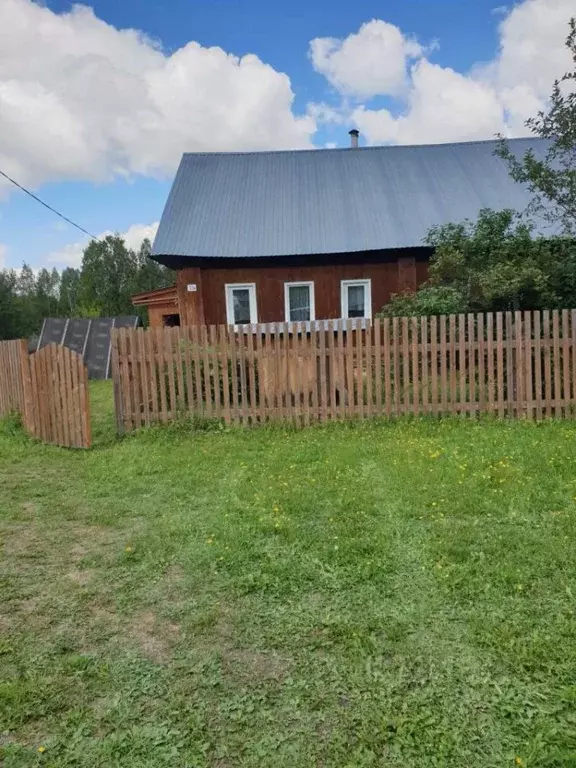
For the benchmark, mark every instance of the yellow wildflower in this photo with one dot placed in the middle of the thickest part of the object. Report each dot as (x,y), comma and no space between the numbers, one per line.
(519,761)
(41,749)
(129,549)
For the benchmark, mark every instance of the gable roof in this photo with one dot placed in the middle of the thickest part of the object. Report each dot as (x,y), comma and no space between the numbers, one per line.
(332,201)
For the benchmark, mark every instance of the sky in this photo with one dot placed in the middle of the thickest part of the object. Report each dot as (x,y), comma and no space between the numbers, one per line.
(98,102)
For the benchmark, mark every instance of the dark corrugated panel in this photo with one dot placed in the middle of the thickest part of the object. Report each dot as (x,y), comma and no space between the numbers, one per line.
(332,201)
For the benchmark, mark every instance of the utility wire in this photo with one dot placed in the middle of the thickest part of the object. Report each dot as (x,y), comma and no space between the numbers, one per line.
(33,196)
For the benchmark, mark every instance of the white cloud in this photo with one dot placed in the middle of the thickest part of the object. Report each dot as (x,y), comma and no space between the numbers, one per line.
(80,99)
(440,104)
(71,255)
(443,105)
(370,62)
(3,252)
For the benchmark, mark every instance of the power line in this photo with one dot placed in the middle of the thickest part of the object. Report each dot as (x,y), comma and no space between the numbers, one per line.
(33,196)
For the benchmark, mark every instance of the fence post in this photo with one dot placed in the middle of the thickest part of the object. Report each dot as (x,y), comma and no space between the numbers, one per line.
(118,401)
(27,400)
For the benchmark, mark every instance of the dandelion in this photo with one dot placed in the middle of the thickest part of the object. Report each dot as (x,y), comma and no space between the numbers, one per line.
(129,549)
(41,749)
(519,761)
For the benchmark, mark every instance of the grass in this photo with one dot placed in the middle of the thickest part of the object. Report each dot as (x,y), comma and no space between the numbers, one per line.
(381,594)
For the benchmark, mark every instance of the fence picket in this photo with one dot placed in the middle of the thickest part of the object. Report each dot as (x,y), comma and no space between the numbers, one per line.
(387,368)
(237,404)
(207,388)
(453,365)
(565,363)
(415,367)
(377,338)
(461,357)
(500,363)
(520,377)
(557,366)
(322,404)
(369,370)
(405,365)
(480,335)
(434,364)
(473,408)
(538,365)
(215,372)
(425,365)
(225,352)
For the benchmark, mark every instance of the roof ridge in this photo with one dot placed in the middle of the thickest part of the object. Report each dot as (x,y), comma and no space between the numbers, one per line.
(378,147)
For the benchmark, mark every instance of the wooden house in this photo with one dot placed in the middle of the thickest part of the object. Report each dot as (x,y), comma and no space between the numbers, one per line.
(310,235)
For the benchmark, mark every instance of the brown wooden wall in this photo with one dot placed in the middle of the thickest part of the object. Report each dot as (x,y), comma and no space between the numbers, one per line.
(157,312)
(208,303)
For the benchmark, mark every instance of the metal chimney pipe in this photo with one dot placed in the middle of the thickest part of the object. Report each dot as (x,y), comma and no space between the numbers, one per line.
(354,138)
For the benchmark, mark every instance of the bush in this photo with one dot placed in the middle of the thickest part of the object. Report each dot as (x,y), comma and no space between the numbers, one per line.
(429,300)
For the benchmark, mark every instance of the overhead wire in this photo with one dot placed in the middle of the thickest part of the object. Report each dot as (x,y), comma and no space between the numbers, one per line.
(38,200)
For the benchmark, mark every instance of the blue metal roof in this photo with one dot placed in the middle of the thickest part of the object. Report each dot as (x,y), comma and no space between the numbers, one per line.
(331,201)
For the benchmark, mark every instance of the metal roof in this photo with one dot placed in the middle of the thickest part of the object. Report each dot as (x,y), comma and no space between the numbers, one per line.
(332,201)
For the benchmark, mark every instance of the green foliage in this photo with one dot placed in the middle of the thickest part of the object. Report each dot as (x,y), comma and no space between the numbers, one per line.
(496,263)
(493,264)
(552,181)
(429,300)
(110,274)
(372,594)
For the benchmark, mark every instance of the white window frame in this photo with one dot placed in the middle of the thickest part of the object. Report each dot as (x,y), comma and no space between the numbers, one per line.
(299,284)
(367,285)
(229,289)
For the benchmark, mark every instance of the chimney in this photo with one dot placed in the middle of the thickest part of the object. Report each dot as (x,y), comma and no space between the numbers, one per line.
(354,138)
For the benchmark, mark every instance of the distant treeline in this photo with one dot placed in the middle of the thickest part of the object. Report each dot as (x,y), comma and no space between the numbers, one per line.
(110,274)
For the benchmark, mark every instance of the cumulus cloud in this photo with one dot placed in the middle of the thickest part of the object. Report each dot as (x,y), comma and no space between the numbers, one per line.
(440,104)
(372,61)
(71,255)
(80,99)
(443,105)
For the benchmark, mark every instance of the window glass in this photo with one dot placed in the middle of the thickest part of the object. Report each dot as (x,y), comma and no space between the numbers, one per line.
(241,304)
(356,300)
(299,302)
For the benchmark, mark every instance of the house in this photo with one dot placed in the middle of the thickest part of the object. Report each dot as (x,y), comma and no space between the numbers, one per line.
(310,235)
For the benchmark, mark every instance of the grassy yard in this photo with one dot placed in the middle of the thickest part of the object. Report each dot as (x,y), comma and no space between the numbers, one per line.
(372,595)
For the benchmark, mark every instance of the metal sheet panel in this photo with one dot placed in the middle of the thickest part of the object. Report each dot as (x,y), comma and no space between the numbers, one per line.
(76,333)
(332,201)
(97,352)
(53,331)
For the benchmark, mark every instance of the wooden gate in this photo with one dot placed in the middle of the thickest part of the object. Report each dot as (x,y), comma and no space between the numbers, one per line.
(56,407)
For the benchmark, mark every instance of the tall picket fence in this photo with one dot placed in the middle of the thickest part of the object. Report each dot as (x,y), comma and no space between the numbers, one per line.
(11,383)
(49,389)
(519,364)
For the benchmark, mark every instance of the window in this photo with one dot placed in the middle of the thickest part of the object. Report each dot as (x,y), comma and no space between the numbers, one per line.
(241,303)
(357,298)
(299,302)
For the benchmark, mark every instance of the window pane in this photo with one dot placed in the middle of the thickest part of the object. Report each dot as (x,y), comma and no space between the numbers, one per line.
(356,301)
(241,300)
(299,299)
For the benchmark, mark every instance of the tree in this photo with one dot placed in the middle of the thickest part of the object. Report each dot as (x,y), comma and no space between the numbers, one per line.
(9,311)
(552,181)
(68,297)
(493,264)
(110,274)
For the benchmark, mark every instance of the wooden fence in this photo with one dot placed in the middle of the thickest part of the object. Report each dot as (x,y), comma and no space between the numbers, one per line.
(12,353)
(515,364)
(50,391)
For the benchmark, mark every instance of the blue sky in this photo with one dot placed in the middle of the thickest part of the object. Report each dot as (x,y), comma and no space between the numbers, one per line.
(95,119)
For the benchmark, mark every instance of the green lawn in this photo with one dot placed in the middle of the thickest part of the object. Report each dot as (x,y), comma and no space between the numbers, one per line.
(382,594)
